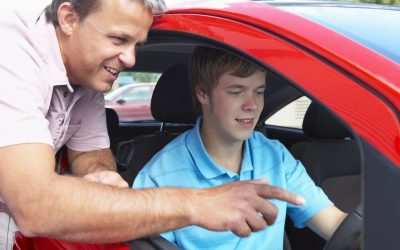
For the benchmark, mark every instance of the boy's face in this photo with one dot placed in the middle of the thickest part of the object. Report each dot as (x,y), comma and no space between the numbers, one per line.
(232,110)
(104,43)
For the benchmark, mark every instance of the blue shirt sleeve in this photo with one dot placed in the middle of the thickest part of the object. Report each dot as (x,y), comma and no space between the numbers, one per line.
(299,182)
(143,180)
(170,236)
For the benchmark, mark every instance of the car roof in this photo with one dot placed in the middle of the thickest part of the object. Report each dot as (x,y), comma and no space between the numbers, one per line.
(372,25)
(322,40)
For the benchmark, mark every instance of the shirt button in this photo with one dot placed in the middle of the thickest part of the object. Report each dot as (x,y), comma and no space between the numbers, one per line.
(65,94)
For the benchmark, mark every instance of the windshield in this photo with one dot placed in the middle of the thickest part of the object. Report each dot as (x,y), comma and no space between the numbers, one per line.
(375,26)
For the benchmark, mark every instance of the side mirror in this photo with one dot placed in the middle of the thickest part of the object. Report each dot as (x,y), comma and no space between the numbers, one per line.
(121,101)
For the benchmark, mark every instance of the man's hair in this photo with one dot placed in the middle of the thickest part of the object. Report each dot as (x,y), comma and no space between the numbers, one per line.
(85,7)
(208,65)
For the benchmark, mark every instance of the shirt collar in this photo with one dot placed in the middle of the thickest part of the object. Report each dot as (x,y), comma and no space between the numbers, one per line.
(207,167)
(55,67)
(247,164)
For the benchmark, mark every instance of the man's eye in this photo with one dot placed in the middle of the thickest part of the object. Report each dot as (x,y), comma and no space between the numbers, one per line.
(118,40)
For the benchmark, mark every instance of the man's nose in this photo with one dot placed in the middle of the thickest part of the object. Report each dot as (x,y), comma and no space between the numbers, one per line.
(128,58)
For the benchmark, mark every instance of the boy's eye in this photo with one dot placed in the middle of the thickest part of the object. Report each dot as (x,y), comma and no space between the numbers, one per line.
(260,92)
(235,92)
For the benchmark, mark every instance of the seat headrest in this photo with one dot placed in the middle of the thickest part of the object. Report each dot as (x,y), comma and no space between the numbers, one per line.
(319,123)
(112,121)
(172,98)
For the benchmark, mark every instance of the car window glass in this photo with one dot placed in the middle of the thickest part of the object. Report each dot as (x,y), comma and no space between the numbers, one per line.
(137,94)
(291,115)
(110,96)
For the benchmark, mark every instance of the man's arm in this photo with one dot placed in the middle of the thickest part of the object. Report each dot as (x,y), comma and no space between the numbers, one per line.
(97,166)
(83,163)
(326,222)
(44,203)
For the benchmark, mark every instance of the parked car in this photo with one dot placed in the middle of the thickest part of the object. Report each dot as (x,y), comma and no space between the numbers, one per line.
(344,57)
(131,101)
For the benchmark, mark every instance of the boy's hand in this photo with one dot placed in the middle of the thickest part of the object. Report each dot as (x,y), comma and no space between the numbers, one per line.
(107,177)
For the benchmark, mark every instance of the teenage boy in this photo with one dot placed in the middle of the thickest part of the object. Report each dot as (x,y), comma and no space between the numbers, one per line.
(223,147)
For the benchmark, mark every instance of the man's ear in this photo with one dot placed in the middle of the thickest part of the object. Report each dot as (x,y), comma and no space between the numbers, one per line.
(201,95)
(67,17)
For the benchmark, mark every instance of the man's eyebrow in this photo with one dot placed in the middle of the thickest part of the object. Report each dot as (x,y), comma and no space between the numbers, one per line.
(128,36)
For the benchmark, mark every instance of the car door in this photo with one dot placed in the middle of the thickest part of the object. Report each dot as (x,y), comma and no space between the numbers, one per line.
(331,70)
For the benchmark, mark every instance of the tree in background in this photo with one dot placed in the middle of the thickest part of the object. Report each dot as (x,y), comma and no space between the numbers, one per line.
(386,2)
(142,77)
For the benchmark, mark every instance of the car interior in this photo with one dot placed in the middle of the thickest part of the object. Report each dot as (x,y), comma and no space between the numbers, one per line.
(325,145)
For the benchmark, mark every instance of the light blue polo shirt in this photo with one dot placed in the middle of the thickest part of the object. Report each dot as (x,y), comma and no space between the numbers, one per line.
(184,162)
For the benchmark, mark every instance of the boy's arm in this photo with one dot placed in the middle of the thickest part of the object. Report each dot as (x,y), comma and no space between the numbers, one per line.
(326,222)
(97,166)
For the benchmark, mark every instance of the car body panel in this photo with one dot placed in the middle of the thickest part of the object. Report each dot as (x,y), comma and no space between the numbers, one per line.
(262,40)
(132,102)
(326,43)
(23,243)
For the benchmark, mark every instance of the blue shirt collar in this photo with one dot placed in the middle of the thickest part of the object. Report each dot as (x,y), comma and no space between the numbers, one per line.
(207,167)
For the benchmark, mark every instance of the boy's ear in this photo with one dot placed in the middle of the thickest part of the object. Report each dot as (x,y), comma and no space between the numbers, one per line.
(201,95)
(67,17)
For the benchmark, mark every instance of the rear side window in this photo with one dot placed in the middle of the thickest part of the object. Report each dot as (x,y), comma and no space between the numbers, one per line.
(137,94)
(291,115)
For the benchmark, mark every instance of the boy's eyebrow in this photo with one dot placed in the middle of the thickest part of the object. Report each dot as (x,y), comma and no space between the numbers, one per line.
(233,86)
(261,86)
(241,86)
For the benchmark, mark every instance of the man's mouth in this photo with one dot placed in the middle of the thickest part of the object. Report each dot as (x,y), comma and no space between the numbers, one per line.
(112,71)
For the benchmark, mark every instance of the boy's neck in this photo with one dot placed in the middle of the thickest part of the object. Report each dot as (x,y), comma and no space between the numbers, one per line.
(226,154)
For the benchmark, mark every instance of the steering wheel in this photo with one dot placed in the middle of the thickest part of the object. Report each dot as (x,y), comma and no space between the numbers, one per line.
(349,234)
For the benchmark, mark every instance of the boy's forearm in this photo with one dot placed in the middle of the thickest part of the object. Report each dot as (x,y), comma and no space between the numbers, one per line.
(326,222)
(83,163)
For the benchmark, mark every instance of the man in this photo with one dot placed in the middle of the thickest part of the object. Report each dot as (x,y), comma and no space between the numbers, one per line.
(56,60)
(223,147)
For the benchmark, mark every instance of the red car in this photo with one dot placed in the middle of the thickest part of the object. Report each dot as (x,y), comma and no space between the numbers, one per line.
(344,57)
(131,101)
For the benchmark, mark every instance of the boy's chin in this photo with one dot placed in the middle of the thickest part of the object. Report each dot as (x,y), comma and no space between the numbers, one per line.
(245,136)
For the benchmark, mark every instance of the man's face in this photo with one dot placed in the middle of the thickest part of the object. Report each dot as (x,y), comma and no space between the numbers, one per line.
(234,106)
(96,49)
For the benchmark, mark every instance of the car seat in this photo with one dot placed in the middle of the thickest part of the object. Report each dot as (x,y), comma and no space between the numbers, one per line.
(171,104)
(332,158)
(112,127)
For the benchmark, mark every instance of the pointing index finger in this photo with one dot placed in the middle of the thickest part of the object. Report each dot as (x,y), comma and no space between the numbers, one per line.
(271,192)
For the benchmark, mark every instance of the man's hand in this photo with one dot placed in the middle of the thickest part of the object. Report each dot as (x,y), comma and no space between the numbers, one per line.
(107,177)
(240,207)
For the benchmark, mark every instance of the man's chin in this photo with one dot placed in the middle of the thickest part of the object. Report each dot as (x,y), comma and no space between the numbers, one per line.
(102,87)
